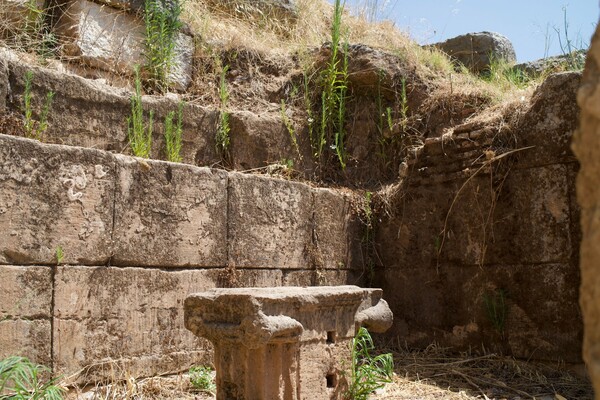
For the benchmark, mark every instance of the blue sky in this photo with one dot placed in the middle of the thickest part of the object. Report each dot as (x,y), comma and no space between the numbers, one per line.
(529,24)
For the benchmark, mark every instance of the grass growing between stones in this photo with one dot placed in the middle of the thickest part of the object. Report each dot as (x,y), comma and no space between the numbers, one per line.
(35,129)
(173,134)
(222,138)
(138,133)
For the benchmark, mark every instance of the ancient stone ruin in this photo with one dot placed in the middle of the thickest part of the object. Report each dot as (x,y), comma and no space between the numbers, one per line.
(456,197)
(284,343)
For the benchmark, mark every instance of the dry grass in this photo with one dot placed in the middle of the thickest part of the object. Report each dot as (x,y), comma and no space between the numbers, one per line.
(431,374)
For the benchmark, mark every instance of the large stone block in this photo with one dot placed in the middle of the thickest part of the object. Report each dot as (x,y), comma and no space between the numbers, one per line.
(540,320)
(94,114)
(587,147)
(113,40)
(169,215)
(333,218)
(111,319)
(270,222)
(25,312)
(55,196)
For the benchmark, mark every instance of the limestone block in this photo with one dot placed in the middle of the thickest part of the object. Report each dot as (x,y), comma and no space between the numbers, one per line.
(113,40)
(333,212)
(549,123)
(258,140)
(447,306)
(319,277)
(129,317)
(55,196)
(25,304)
(269,222)
(270,9)
(169,215)
(26,338)
(101,36)
(93,113)
(587,147)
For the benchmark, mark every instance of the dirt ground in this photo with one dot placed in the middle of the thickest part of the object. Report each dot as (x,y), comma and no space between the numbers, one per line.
(431,374)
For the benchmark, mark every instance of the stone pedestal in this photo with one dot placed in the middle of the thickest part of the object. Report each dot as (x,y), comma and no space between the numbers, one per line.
(287,342)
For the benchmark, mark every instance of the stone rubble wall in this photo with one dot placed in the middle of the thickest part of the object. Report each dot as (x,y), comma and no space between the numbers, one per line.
(465,235)
(138,236)
(587,147)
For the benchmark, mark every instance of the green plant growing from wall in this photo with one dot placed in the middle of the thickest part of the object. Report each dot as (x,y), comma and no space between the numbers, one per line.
(60,255)
(139,135)
(403,105)
(35,129)
(368,220)
(222,138)
(162,22)
(368,372)
(334,84)
(173,134)
(496,309)
(20,379)
(201,378)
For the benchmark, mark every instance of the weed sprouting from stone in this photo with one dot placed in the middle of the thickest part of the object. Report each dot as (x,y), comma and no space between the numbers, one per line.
(223,128)
(496,309)
(140,136)
(201,379)
(60,255)
(161,18)
(368,372)
(173,134)
(35,129)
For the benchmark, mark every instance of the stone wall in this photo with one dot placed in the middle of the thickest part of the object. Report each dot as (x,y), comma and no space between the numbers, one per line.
(587,148)
(137,237)
(480,244)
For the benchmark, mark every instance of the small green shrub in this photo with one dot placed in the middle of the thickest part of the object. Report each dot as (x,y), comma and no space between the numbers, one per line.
(20,379)
(368,372)
(201,379)
(35,129)
(222,137)
(173,134)
(161,18)
(60,255)
(496,309)
(140,136)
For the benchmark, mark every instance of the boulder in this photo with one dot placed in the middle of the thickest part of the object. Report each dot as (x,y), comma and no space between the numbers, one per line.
(279,9)
(575,60)
(476,51)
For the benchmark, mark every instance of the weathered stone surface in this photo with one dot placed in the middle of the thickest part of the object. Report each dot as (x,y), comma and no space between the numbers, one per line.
(541,322)
(112,40)
(333,216)
(25,312)
(270,222)
(549,123)
(587,147)
(552,64)
(477,50)
(290,342)
(131,318)
(90,113)
(320,277)
(258,140)
(169,215)
(54,196)
(26,338)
